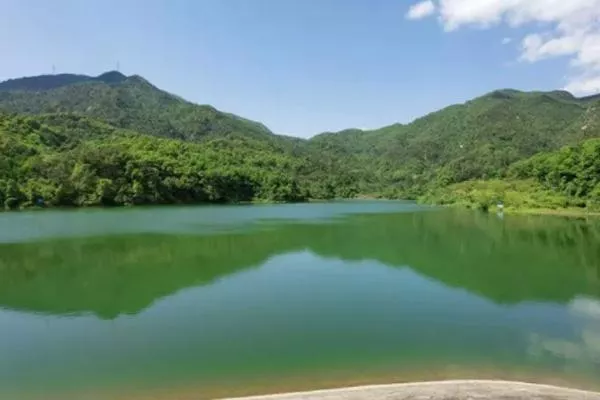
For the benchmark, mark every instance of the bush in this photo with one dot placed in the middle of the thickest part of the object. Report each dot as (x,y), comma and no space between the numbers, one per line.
(11,203)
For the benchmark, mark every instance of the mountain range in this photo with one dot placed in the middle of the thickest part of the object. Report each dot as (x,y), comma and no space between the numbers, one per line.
(113,139)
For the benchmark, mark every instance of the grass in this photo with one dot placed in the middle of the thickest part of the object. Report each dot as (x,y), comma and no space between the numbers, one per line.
(518,196)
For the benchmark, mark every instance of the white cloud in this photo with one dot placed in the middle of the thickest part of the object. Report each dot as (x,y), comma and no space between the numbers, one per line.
(506,40)
(421,10)
(574,352)
(559,28)
(584,84)
(537,47)
(584,306)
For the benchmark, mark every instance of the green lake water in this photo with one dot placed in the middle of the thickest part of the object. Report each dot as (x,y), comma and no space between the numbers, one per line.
(229,300)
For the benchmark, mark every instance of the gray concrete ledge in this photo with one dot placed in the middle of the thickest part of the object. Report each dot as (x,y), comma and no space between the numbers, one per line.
(442,390)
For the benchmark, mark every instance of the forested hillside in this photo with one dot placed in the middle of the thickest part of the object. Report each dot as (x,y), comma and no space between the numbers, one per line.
(566,178)
(113,140)
(126,102)
(476,140)
(67,160)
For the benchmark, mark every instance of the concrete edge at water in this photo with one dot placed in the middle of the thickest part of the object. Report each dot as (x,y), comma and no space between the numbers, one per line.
(441,390)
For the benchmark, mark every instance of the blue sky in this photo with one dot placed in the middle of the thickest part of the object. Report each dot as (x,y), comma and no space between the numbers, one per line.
(299,66)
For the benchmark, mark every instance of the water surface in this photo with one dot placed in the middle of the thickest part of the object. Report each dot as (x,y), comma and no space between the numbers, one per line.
(215,301)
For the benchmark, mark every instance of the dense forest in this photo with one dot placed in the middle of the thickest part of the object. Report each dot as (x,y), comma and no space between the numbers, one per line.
(75,140)
(62,159)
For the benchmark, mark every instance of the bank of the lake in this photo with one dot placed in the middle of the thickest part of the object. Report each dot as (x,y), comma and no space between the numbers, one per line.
(559,212)
(258,201)
(556,212)
(222,301)
(409,382)
(515,197)
(442,390)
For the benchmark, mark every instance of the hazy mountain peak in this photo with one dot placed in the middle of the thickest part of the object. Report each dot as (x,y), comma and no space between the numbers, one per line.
(504,94)
(563,94)
(42,82)
(111,77)
(54,81)
(129,102)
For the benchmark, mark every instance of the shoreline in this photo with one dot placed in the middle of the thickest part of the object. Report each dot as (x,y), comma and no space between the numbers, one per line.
(487,384)
(554,212)
(439,390)
(560,212)
(183,204)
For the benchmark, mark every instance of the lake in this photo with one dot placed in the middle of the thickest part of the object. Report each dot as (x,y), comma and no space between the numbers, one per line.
(201,302)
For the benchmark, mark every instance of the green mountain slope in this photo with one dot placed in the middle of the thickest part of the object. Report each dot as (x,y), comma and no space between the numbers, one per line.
(565,178)
(71,160)
(73,115)
(476,140)
(125,102)
(48,82)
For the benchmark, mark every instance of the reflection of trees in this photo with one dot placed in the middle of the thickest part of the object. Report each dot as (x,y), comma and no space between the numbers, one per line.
(581,352)
(518,259)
